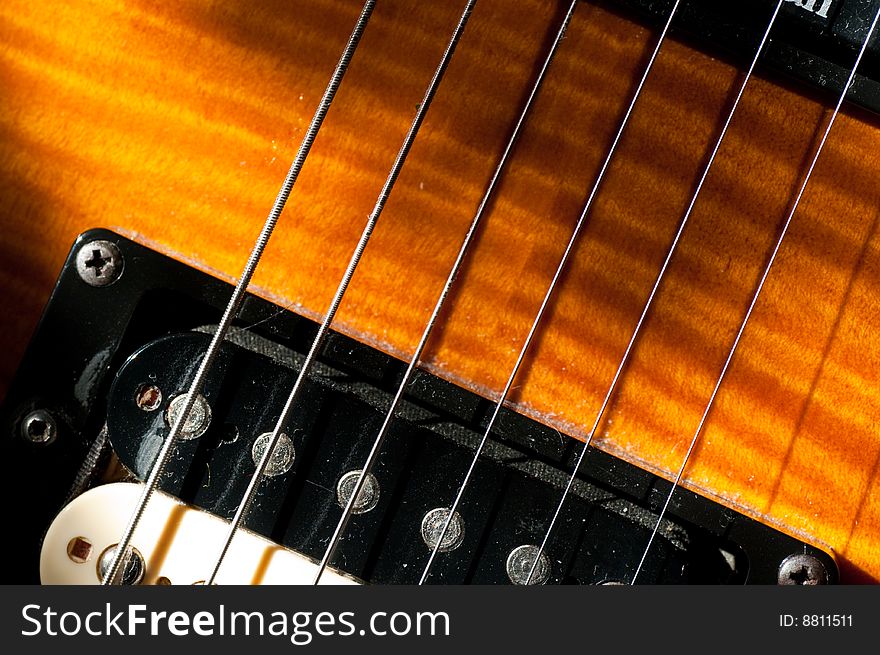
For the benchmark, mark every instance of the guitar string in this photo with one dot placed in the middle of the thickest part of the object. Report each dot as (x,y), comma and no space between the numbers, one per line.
(550,290)
(320,337)
(760,287)
(450,280)
(624,360)
(123,547)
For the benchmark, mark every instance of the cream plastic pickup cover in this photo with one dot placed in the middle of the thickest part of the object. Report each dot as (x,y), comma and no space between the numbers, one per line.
(179,544)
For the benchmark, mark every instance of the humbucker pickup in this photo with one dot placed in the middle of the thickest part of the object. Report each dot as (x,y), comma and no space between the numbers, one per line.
(120,356)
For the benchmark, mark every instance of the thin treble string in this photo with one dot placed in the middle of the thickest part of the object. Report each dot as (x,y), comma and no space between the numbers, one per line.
(122,548)
(624,360)
(553,284)
(760,287)
(318,341)
(450,280)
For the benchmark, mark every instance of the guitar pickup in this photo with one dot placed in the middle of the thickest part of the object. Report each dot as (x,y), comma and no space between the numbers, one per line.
(121,355)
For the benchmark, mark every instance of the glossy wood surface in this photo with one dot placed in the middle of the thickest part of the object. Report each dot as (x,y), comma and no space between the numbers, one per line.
(175,123)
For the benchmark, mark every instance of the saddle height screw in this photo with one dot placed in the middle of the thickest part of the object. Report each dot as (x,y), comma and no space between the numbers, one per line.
(802,569)
(99,263)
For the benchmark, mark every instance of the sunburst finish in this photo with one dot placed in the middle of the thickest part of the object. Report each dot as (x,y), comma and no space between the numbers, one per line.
(176,123)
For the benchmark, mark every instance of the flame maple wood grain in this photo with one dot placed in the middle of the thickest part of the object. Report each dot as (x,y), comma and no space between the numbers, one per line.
(175,124)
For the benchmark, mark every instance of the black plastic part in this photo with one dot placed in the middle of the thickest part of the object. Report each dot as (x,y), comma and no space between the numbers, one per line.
(812,49)
(96,347)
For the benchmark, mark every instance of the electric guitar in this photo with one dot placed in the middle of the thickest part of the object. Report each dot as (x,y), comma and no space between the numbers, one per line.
(633,166)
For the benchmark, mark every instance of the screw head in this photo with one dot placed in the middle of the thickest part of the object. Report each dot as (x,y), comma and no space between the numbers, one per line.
(196,424)
(802,569)
(432,526)
(148,397)
(281,459)
(79,550)
(519,564)
(39,427)
(132,571)
(367,499)
(99,263)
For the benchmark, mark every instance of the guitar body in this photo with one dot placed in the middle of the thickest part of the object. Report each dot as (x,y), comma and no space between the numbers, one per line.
(175,125)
